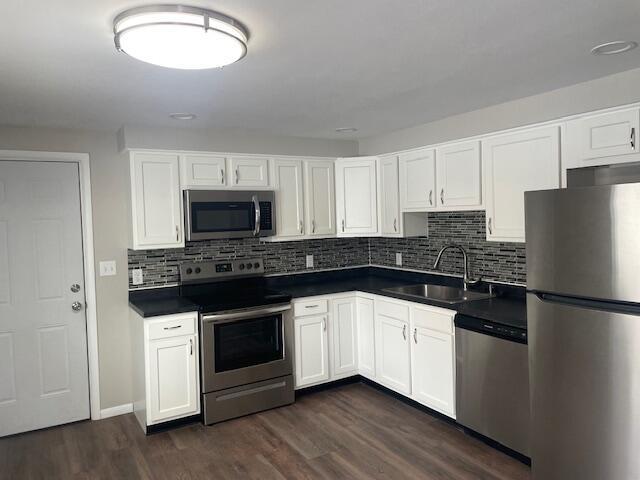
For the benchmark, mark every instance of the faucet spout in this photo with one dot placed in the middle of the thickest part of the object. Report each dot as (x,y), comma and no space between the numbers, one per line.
(467,281)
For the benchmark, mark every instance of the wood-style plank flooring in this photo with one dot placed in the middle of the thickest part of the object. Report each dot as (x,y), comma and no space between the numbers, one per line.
(352,431)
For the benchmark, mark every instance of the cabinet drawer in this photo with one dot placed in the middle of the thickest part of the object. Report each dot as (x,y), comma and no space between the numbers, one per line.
(393,310)
(433,319)
(310,307)
(172,326)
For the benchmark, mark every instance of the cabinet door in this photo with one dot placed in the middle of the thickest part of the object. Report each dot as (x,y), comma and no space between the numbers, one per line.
(320,197)
(173,378)
(249,171)
(366,337)
(156,201)
(202,170)
(432,369)
(513,164)
(458,175)
(417,180)
(392,353)
(311,350)
(356,196)
(345,338)
(608,134)
(289,198)
(389,196)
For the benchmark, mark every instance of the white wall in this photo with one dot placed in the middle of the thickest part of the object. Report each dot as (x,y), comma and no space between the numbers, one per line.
(611,91)
(109,183)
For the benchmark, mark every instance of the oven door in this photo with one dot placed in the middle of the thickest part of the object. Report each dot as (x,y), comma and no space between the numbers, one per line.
(245,346)
(227,214)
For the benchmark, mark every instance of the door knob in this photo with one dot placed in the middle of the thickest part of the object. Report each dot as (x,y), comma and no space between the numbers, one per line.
(76,306)
(75,288)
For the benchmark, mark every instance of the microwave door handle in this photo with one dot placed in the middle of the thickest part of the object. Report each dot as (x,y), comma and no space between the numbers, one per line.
(256,204)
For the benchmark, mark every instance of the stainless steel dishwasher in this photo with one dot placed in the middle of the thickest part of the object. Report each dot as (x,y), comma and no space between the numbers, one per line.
(492,381)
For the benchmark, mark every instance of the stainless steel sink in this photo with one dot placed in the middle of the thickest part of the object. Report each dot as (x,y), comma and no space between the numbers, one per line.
(438,293)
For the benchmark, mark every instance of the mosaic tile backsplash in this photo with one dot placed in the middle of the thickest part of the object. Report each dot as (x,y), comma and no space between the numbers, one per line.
(492,260)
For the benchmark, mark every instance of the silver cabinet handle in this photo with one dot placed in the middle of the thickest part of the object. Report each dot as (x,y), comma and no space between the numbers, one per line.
(489,225)
(256,205)
(177,234)
(442,197)
(173,328)
(222,175)
(395,224)
(324,324)
(343,224)
(312,306)
(313,226)
(415,336)
(237,176)
(633,138)
(430,197)
(191,346)
(404,331)
(301,227)
(76,306)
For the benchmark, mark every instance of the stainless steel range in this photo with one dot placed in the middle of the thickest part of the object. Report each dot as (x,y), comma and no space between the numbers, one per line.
(246,338)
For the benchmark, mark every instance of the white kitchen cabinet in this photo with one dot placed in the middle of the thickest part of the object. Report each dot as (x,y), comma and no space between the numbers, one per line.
(393,358)
(417,171)
(366,337)
(344,333)
(389,197)
(606,135)
(202,171)
(156,204)
(513,164)
(249,171)
(311,350)
(458,176)
(166,367)
(432,358)
(356,196)
(320,197)
(289,193)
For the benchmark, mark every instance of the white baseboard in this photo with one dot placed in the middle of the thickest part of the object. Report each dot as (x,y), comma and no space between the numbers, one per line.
(117,410)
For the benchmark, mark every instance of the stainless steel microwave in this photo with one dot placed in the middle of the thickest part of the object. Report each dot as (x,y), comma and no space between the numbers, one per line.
(210,214)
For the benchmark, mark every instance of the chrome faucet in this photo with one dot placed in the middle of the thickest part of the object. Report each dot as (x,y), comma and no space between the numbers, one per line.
(466,281)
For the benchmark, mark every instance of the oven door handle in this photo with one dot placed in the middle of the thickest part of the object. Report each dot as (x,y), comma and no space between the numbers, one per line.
(256,204)
(234,315)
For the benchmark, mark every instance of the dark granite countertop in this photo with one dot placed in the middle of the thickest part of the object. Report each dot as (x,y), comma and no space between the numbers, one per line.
(508,307)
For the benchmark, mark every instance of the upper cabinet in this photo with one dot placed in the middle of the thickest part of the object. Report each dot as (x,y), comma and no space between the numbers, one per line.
(356,196)
(156,203)
(249,171)
(320,197)
(289,197)
(389,197)
(458,176)
(513,164)
(202,171)
(417,180)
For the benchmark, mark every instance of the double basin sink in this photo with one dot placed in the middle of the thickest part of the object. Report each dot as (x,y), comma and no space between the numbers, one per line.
(439,293)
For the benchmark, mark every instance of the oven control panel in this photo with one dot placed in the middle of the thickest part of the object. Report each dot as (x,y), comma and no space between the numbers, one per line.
(201,272)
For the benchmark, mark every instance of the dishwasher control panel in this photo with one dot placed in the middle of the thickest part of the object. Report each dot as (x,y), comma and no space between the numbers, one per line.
(491,328)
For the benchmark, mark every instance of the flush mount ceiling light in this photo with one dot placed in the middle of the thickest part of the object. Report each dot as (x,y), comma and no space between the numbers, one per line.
(346,130)
(612,48)
(177,36)
(183,116)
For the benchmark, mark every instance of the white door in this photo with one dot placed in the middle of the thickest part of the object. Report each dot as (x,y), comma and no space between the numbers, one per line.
(173,377)
(311,350)
(458,176)
(608,134)
(432,369)
(356,196)
(320,197)
(289,198)
(418,180)
(43,344)
(514,164)
(202,170)
(366,337)
(392,353)
(389,199)
(345,337)
(156,201)
(249,171)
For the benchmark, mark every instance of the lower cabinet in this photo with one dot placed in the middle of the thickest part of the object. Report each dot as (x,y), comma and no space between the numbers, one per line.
(311,350)
(343,328)
(366,337)
(393,360)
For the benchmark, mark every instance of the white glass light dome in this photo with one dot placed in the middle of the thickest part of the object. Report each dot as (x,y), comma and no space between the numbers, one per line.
(176,36)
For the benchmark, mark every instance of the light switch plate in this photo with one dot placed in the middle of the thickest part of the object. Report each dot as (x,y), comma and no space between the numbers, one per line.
(108,268)
(309,261)
(136,276)
(399,259)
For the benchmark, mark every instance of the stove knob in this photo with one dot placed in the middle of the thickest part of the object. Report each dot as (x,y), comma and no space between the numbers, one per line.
(241,266)
(198,270)
(256,265)
(189,271)
(249,265)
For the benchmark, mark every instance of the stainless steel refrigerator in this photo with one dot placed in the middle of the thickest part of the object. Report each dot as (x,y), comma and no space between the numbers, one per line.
(583,309)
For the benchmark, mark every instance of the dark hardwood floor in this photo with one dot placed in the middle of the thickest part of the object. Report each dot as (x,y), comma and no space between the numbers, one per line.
(352,431)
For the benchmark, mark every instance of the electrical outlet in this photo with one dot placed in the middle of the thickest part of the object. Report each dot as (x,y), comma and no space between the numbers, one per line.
(108,268)
(399,259)
(136,276)
(309,261)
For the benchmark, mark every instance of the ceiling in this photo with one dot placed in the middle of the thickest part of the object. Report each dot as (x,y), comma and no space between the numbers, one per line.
(312,66)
